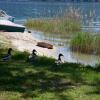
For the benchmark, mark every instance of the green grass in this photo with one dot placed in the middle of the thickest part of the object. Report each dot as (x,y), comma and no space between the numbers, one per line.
(43,80)
(86,43)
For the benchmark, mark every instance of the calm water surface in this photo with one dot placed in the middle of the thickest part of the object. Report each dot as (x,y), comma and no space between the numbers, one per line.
(90,13)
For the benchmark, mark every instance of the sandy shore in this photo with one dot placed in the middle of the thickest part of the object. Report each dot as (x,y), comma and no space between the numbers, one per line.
(26,42)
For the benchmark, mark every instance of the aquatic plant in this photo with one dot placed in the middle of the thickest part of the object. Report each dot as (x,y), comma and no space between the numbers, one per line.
(86,43)
(70,21)
(54,26)
(96,44)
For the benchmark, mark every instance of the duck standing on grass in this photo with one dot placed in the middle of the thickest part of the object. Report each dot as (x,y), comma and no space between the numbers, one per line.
(59,60)
(7,57)
(32,56)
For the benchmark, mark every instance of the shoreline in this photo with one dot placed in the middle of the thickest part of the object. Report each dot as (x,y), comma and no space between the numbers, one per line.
(26,42)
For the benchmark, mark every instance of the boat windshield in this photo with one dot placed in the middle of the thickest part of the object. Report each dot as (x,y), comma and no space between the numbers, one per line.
(2,13)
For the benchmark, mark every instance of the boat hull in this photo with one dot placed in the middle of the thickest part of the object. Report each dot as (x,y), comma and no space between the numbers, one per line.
(11,28)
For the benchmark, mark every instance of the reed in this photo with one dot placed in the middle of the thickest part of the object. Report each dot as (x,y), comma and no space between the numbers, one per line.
(96,44)
(86,43)
(68,23)
(54,26)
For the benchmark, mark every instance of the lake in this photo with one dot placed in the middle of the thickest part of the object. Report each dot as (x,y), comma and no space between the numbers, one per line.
(90,14)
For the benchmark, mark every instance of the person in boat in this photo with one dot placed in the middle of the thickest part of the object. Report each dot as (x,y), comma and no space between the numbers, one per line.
(7,57)
(59,60)
(32,56)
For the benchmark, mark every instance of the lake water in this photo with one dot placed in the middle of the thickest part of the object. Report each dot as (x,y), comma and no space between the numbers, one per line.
(90,13)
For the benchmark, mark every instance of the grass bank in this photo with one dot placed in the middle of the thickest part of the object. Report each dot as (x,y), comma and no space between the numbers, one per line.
(86,43)
(42,80)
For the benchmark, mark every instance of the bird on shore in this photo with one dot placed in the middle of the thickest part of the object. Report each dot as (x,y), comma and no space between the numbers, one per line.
(7,57)
(59,60)
(32,56)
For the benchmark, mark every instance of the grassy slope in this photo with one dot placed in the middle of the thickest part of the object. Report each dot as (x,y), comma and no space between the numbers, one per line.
(43,80)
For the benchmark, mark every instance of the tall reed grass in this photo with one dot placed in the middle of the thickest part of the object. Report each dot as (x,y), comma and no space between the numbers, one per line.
(86,43)
(70,21)
(96,44)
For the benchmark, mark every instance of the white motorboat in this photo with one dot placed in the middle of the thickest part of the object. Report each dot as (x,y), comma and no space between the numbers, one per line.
(8,26)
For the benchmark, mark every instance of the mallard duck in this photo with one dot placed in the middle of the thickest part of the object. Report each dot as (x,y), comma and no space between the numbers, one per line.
(32,56)
(7,57)
(59,60)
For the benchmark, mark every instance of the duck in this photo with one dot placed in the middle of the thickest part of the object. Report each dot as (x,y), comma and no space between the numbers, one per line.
(59,60)
(7,57)
(32,56)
